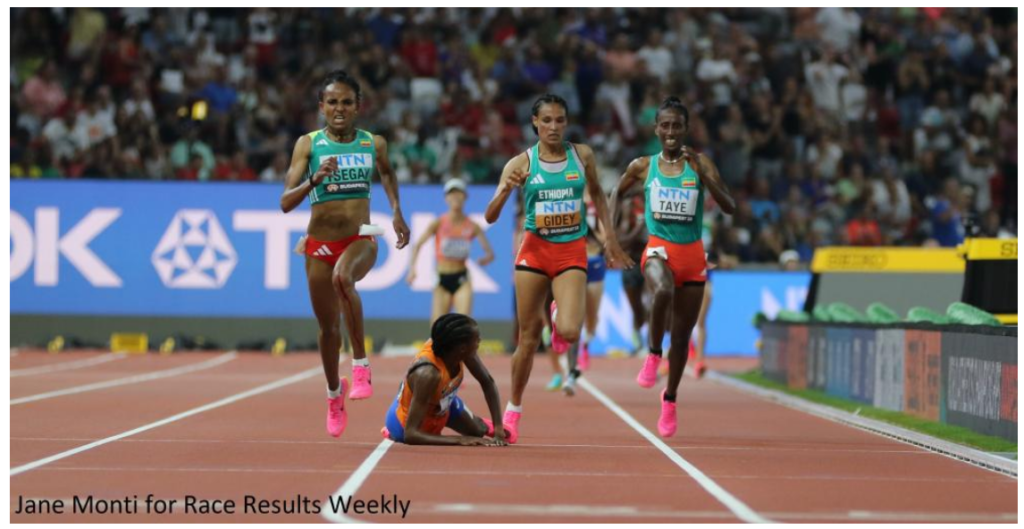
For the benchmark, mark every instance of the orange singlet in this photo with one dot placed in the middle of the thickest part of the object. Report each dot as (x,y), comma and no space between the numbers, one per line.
(440,401)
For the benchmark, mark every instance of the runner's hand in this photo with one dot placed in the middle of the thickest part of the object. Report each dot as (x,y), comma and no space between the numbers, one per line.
(691,158)
(412,274)
(402,230)
(517,177)
(617,258)
(486,260)
(327,168)
(474,441)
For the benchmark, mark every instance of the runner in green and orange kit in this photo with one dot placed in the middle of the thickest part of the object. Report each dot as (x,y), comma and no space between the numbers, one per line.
(674,262)
(553,255)
(333,167)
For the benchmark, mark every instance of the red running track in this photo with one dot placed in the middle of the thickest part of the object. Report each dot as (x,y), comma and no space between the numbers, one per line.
(251,424)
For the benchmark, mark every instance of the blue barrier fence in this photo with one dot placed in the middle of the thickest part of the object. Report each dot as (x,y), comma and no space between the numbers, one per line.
(224,250)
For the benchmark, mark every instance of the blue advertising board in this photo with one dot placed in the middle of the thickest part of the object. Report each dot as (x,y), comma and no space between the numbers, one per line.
(215,249)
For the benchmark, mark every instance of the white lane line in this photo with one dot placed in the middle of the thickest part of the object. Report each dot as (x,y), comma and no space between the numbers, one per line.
(64,366)
(174,418)
(352,484)
(583,511)
(378,471)
(134,379)
(758,449)
(627,511)
(740,509)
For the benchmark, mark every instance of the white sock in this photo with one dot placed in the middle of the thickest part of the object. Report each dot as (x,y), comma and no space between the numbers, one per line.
(364,362)
(333,394)
(513,407)
(584,336)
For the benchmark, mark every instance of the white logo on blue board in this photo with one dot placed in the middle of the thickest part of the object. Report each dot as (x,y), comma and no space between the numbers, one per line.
(194,251)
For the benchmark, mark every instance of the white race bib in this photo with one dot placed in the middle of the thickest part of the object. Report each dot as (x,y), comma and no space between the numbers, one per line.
(672,204)
(455,249)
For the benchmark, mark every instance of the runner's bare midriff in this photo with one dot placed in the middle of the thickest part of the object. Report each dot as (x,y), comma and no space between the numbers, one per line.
(338,219)
(448,266)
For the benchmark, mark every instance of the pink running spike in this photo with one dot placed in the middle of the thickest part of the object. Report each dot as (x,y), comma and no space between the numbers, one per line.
(361,388)
(648,376)
(511,423)
(337,415)
(667,420)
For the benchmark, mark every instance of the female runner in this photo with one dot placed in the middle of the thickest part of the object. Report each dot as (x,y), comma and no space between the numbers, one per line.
(333,166)
(553,175)
(674,262)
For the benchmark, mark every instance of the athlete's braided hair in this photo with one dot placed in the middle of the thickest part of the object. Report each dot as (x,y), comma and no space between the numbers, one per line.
(451,331)
(548,99)
(676,104)
(340,76)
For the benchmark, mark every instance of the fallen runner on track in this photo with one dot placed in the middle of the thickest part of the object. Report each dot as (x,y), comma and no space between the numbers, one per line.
(428,399)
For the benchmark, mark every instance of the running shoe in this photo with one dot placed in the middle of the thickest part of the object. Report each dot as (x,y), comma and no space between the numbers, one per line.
(648,376)
(558,344)
(385,433)
(569,388)
(511,423)
(583,360)
(667,421)
(337,415)
(361,388)
(490,427)
(555,384)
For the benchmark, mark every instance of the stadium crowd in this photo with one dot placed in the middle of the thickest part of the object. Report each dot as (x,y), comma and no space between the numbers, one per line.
(832,126)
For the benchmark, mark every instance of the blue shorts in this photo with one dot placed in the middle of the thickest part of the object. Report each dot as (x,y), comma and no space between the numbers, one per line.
(595,269)
(397,432)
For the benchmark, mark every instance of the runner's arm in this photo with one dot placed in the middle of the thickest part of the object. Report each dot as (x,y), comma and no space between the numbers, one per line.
(431,231)
(296,188)
(488,257)
(479,371)
(713,181)
(628,179)
(423,382)
(390,182)
(512,176)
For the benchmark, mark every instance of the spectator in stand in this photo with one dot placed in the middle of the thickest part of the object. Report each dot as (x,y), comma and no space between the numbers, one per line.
(235,169)
(824,79)
(988,103)
(863,229)
(186,150)
(277,170)
(947,213)
(977,167)
(43,92)
(194,170)
(656,56)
